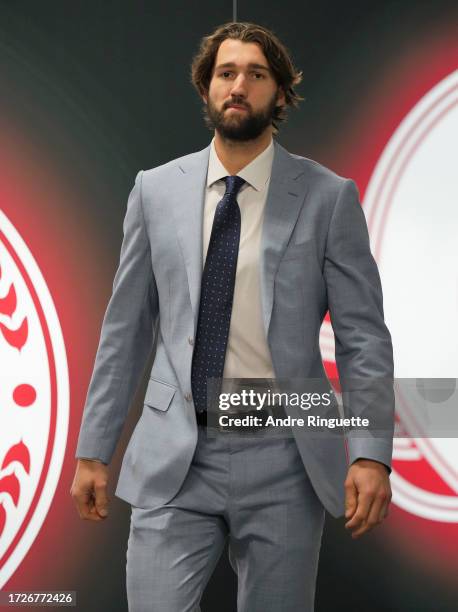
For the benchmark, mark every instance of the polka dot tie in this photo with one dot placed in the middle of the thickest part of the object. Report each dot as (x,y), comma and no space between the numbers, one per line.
(217,293)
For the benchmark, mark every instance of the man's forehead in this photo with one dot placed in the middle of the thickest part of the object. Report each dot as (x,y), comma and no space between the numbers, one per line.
(239,53)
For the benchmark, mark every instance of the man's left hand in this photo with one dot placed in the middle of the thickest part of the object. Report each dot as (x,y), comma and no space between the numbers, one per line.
(367,496)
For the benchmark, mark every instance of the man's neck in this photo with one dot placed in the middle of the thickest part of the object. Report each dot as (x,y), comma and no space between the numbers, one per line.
(235,155)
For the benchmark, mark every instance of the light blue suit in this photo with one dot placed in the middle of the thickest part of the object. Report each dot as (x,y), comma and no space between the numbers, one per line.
(315,255)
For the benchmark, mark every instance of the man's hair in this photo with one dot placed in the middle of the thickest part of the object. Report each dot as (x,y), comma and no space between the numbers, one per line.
(277,55)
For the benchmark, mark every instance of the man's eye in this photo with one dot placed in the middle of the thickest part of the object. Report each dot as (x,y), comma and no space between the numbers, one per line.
(257,74)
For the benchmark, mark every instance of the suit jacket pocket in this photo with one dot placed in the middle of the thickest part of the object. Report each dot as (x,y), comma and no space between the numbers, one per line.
(159,394)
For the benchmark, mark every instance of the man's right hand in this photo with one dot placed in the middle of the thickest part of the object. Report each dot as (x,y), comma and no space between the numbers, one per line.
(89,489)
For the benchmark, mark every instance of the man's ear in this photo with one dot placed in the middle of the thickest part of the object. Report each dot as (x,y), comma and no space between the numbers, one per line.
(281,99)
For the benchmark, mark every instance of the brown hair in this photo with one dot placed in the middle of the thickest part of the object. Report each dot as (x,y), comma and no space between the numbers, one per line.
(277,55)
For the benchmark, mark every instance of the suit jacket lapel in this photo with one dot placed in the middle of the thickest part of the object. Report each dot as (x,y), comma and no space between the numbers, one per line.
(285,196)
(188,198)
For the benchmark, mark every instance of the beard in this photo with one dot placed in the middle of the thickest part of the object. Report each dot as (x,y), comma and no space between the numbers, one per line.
(242,126)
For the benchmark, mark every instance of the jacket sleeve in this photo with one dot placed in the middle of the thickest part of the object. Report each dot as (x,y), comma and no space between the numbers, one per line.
(126,339)
(364,354)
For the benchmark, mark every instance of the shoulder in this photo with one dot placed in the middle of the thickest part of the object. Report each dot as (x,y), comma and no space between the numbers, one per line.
(179,164)
(329,190)
(320,180)
(320,176)
(317,169)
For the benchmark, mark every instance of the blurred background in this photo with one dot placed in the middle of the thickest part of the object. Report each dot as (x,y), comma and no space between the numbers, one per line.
(93,92)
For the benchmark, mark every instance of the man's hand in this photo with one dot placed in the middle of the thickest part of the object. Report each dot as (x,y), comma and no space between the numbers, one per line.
(367,496)
(89,489)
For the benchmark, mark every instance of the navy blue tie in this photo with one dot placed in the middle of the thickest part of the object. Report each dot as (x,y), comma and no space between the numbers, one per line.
(217,293)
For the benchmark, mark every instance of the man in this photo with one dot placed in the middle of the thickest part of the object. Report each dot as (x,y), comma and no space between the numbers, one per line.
(231,258)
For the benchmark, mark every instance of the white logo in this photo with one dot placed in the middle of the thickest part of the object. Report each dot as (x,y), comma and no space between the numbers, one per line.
(411,209)
(34,399)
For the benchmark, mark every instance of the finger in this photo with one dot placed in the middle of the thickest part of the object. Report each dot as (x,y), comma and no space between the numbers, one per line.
(84,503)
(375,515)
(351,498)
(384,512)
(85,506)
(360,528)
(357,533)
(94,515)
(90,513)
(362,510)
(363,527)
(101,499)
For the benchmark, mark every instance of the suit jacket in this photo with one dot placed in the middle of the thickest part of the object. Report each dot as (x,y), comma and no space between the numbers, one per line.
(315,256)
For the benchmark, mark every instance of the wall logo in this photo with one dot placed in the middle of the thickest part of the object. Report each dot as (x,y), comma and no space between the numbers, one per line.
(410,206)
(34,399)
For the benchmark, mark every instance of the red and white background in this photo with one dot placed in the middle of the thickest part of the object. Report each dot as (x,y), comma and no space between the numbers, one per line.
(72,138)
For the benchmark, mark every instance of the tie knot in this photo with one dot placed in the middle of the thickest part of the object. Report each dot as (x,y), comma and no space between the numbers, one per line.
(233,184)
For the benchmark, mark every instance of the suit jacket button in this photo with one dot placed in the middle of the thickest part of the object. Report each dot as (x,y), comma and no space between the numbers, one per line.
(188,397)
(191,340)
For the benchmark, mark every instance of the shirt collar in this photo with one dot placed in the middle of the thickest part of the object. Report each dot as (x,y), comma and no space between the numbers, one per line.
(256,173)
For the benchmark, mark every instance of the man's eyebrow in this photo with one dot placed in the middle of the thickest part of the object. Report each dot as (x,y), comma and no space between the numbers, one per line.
(250,65)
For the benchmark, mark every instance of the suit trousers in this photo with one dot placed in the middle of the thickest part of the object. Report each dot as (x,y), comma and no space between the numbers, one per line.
(249,488)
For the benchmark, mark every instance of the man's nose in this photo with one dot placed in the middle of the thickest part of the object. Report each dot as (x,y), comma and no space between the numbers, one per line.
(239,87)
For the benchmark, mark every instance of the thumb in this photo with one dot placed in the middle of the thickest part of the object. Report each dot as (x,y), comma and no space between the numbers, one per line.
(101,500)
(351,498)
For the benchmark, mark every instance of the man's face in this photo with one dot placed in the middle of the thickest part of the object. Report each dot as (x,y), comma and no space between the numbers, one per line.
(243,92)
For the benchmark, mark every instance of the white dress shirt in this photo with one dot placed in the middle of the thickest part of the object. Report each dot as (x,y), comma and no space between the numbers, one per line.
(247,354)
